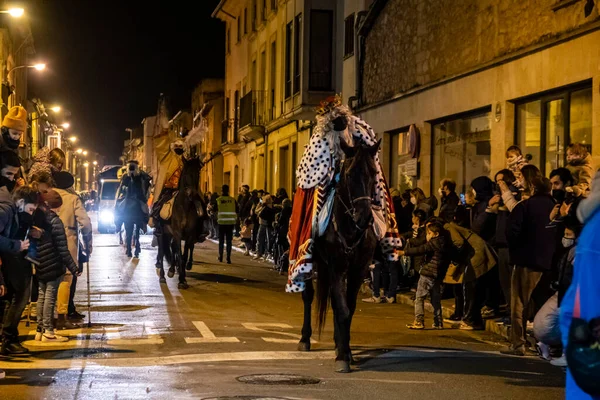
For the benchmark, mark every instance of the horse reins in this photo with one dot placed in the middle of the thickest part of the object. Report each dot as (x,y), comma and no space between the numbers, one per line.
(351,211)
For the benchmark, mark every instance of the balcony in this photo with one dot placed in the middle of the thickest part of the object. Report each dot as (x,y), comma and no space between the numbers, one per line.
(255,113)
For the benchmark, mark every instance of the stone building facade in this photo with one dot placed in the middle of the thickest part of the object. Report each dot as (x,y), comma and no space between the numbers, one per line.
(476,76)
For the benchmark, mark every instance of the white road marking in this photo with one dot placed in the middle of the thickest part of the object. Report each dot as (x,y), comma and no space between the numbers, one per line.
(258,327)
(208,336)
(129,362)
(148,328)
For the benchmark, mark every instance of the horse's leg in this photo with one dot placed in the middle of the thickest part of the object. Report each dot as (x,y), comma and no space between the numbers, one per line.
(341,319)
(181,268)
(354,283)
(185,254)
(137,241)
(173,247)
(307,298)
(189,251)
(128,238)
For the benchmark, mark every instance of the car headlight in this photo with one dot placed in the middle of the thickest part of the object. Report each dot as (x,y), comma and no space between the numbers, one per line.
(107,216)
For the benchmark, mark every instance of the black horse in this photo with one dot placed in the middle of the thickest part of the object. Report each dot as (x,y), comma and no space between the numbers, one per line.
(341,256)
(186,223)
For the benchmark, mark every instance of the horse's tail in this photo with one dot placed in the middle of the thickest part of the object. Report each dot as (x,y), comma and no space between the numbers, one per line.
(323,296)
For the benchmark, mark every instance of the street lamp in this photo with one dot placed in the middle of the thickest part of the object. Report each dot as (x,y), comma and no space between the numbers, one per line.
(56,109)
(14,12)
(73,139)
(95,163)
(79,151)
(86,164)
(39,67)
(85,153)
(66,125)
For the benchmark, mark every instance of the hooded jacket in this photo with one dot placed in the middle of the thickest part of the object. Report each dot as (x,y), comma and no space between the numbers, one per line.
(53,250)
(8,223)
(582,299)
(583,172)
(74,217)
(437,253)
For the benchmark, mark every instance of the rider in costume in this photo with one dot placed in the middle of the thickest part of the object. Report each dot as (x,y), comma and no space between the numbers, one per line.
(317,175)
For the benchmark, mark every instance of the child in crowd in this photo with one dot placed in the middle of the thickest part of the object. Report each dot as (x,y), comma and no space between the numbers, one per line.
(579,163)
(246,235)
(437,251)
(515,162)
(54,258)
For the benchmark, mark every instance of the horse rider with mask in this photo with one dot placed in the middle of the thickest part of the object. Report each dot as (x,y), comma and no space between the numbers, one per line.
(132,198)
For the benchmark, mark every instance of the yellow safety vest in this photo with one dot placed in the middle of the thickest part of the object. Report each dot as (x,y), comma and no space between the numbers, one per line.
(226,210)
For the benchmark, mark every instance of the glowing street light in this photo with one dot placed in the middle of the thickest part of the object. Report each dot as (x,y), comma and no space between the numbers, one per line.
(14,12)
(73,139)
(85,153)
(86,164)
(66,125)
(39,67)
(79,151)
(95,163)
(56,109)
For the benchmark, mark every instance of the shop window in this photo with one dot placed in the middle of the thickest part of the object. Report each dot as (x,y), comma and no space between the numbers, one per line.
(461,150)
(546,125)
(400,175)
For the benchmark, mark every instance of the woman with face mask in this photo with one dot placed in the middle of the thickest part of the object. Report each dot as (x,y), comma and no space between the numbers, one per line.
(418,199)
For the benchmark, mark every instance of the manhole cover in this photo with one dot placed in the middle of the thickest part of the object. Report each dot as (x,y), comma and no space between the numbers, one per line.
(246,398)
(278,379)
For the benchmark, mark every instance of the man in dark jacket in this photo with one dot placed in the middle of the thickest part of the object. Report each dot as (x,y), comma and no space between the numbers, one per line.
(243,211)
(531,245)
(450,200)
(438,253)
(16,270)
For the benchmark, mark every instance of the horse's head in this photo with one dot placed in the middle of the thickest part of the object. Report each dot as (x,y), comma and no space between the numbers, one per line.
(358,182)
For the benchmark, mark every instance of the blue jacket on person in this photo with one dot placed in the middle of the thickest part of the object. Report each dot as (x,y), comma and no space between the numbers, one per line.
(586,278)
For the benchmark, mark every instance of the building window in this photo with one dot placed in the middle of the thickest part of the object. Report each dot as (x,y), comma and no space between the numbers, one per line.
(461,149)
(288,60)
(546,125)
(245,21)
(349,36)
(401,176)
(254,15)
(297,35)
(321,50)
(239,29)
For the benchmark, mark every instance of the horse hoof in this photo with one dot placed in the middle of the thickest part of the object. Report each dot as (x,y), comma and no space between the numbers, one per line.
(342,366)
(188,267)
(162,280)
(304,346)
(171,272)
(182,285)
(158,271)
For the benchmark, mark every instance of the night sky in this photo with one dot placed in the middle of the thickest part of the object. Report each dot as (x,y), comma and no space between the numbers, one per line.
(108,61)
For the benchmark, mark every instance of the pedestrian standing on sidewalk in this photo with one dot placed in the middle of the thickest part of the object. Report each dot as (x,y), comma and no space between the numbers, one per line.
(266,217)
(246,235)
(226,218)
(15,221)
(437,250)
(532,246)
(54,259)
(450,199)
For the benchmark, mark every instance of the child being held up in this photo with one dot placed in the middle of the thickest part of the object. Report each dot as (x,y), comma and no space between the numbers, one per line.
(246,235)
(437,250)
(515,162)
(579,163)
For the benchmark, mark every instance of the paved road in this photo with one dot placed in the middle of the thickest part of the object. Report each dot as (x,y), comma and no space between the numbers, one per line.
(152,341)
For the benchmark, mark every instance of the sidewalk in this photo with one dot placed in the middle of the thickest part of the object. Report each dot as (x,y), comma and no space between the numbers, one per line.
(406,298)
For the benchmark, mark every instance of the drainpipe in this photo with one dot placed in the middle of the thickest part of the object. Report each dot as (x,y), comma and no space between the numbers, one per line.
(266,167)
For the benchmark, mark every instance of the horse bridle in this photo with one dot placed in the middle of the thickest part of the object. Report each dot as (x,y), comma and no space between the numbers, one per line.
(351,211)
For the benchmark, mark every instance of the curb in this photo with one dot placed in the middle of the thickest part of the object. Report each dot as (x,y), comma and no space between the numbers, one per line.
(405,298)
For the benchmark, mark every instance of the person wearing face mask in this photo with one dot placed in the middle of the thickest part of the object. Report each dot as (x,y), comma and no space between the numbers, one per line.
(13,127)
(16,270)
(418,199)
(450,200)
(546,325)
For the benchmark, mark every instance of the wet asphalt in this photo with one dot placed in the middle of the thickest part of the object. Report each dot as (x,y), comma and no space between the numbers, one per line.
(154,341)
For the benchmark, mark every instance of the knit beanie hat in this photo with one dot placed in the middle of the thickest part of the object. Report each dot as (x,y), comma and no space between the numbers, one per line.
(52,198)
(63,179)
(16,119)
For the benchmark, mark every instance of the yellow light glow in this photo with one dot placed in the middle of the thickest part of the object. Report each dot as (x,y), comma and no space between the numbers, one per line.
(86,164)
(73,139)
(55,109)
(16,12)
(85,153)
(40,67)
(66,125)
(95,163)
(79,151)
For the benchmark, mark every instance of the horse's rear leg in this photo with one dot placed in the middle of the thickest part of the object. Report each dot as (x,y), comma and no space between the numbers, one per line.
(341,318)
(180,268)
(354,283)
(307,298)
(189,254)
(176,259)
